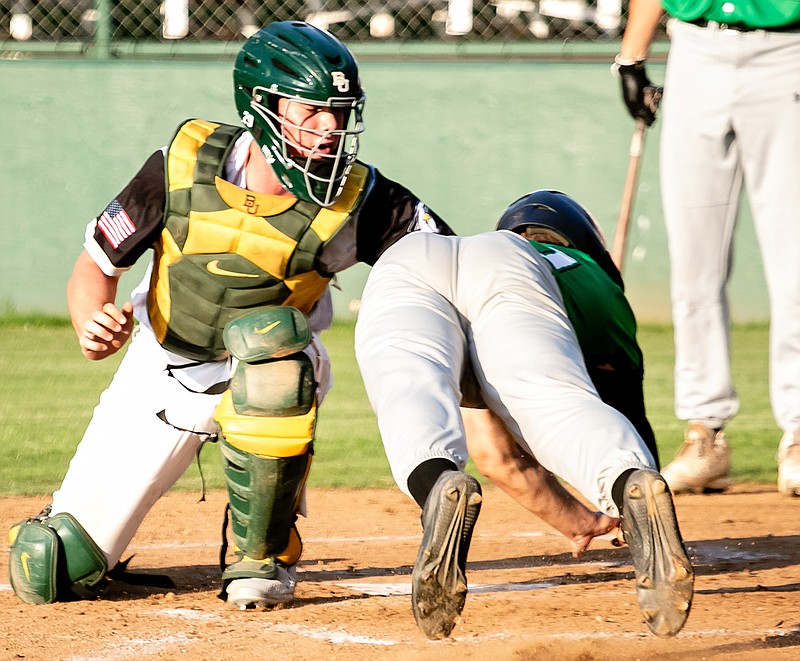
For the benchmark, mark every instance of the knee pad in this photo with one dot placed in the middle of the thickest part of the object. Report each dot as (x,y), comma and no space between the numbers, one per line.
(274,331)
(268,419)
(54,559)
(270,408)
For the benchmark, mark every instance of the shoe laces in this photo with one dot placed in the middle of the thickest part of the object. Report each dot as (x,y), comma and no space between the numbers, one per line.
(701,441)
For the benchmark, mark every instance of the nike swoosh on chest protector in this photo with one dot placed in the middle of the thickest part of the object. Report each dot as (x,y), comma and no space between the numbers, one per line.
(214,268)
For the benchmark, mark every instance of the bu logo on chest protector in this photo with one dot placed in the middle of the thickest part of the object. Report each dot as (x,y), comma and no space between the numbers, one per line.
(340,81)
(251,204)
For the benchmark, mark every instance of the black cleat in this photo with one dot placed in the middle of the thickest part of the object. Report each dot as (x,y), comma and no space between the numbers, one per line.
(438,582)
(664,575)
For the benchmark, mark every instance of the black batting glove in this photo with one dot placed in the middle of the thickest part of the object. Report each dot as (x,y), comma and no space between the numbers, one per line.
(640,95)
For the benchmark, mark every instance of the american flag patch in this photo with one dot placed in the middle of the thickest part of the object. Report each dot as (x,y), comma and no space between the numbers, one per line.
(115,224)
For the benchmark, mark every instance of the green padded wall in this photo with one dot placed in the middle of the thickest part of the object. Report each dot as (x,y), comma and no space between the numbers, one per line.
(467,136)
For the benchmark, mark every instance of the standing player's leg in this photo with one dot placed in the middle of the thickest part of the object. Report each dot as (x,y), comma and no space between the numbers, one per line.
(701,180)
(770,154)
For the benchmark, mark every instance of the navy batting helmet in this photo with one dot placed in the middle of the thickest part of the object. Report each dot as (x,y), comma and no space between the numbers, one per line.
(563,216)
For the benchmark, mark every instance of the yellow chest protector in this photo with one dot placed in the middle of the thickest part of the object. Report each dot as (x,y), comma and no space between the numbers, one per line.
(225,250)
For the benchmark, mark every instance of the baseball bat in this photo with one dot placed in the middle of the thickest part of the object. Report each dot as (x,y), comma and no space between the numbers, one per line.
(652,99)
(628,194)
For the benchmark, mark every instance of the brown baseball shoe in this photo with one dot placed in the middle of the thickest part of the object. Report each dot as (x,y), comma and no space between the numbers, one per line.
(789,464)
(702,464)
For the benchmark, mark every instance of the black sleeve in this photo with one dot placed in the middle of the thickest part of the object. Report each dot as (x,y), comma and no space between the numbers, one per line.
(389,212)
(624,391)
(133,220)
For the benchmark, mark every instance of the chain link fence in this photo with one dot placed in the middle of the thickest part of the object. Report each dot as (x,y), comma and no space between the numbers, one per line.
(153,21)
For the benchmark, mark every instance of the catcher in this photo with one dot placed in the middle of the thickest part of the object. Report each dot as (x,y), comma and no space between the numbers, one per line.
(510,329)
(246,226)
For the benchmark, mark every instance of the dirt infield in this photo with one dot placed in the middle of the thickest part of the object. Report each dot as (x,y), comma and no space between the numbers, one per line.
(528,598)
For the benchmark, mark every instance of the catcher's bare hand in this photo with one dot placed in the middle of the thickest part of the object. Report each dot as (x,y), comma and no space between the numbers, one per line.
(603,524)
(106,331)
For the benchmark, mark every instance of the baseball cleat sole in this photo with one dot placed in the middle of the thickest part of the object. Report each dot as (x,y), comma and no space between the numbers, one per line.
(664,574)
(438,581)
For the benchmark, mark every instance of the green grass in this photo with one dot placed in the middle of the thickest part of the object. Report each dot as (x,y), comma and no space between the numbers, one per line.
(48,391)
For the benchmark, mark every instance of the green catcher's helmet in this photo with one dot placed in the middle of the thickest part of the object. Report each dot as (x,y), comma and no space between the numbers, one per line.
(302,63)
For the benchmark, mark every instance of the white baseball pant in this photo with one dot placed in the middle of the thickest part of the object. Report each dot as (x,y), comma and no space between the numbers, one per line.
(433,303)
(731,116)
(128,457)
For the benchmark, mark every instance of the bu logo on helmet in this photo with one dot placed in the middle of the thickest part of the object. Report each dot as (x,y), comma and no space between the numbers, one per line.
(340,81)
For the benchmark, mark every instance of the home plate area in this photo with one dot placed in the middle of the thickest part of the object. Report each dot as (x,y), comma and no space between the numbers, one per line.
(528,598)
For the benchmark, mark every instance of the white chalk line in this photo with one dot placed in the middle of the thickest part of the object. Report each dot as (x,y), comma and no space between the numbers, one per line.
(190,614)
(134,648)
(137,647)
(341,635)
(335,636)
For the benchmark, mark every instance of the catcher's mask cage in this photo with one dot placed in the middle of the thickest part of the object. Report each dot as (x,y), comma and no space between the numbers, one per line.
(324,173)
(305,65)
(562,215)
